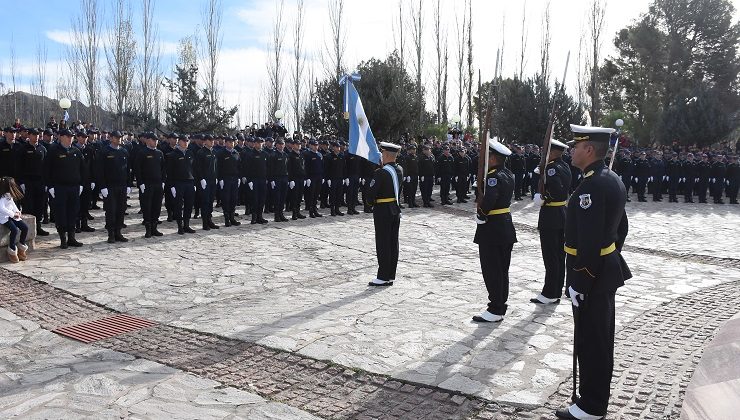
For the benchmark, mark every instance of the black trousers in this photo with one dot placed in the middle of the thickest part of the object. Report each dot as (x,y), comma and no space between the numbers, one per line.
(295,195)
(494,264)
(444,187)
(627,181)
(336,189)
(169,201)
(258,194)
(115,207)
(151,201)
(34,200)
(519,185)
(85,202)
(352,190)
(386,244)
(701,190)
(640,188)
(461,187)
(184,199)
(426,187)
(312,193)
(66,208)
(688,189)
(207,195)
(595,350)
(279,193)
(553,255)
(229,194)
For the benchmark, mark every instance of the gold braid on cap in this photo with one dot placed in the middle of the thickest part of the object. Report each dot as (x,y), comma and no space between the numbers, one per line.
(582,138)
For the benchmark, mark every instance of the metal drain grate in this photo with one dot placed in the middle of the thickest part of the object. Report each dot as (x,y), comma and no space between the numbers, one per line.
(100,329)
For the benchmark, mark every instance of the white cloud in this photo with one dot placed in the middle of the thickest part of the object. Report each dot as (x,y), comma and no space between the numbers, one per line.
(64,37)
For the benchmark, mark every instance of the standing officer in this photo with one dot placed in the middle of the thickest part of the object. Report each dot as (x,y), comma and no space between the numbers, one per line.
(673,171)
(595,230)
(227,168)
(88,182)
(411,169)
(688,178)
(30,177)
(7,164)
(63,168)
(149,170)
(657,175)
(462,168)
(445,171)
(204,170)
(384,195)
(532,162)
(335,178)
(278,174)
(256,174)
(297,178)
(626,170)
(426,164)
(354,170)
(314,161)
(166,147)
(642,175)
(517,164)
(717,178)
(551,223)
(732,176)
(495,233)
(112,175)
(179,170)
(702,170)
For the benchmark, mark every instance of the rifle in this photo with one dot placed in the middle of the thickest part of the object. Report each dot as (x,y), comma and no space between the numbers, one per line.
(483,147)
(547,146)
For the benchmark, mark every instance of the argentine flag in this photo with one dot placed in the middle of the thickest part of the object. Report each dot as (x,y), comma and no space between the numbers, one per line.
(361,139)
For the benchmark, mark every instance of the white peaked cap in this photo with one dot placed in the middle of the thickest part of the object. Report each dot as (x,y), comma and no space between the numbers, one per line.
(497,147)
(391,147)
(558,143)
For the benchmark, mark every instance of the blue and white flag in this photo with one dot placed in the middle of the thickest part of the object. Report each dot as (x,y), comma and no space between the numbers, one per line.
(361,139)
(66,115)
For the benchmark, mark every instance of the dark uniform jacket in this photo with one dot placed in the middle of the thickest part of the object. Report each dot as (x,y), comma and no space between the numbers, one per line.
(111,167)
(499,228)
(149,168)
(7,166)
(314,164)
(557,185)
(381,189)
(595,231)
(445,165)
(334,166)
(63,166)
(179,166)
(30,163)
(204,166)
(278,165)
(255,164)
(426,165)
(228,163)
(296,166)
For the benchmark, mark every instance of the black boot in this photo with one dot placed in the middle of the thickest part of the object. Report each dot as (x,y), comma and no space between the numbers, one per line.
(169,216)
(234,222)
(40,231)
(206,226)
(333,211)
(210,223)
(78,227)
(338,212)
(179,228)
(155,232)
(86,227)
(119,236)
(186,226)
(227,220)
(111,236)
(62,238)
(148,233)
(71,241)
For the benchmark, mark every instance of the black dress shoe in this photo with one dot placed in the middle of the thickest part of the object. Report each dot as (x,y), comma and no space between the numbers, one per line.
(388,283)
(563,413)
(537,301)
(477,318)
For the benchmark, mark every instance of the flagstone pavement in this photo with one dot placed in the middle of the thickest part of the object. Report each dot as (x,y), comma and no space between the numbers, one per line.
(301,287)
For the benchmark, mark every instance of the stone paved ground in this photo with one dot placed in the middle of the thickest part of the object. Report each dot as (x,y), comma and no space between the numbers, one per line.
(300,287)
(46,376)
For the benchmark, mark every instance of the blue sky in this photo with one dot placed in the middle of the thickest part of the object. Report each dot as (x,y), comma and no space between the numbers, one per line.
(247,26)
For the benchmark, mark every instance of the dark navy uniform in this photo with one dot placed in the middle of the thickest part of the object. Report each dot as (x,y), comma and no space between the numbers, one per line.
(228,169)
(426,178)
(688,180)
(112,175)
(411,183)
(717,181)
(150,176)
(445,171)
(702,169)
(462,168)
(278,175)
(88,179)
(204,169)
(732,175)
(256,175)
(296,182)
(642,174)
(353,165)
(382,192)
(315,177)
(335,176)
(63,168)
(518,165)
(7,163)
(595,230)
(496,236)
(673,171)
(30,174)
(179,169)
(551,226)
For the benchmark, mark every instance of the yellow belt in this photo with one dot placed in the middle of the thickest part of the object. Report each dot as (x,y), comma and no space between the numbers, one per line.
(556,203)
(499,211)
(385,200)
(604,251)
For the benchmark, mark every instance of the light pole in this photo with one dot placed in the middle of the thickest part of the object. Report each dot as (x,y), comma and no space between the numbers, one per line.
(279,114)
(65,104)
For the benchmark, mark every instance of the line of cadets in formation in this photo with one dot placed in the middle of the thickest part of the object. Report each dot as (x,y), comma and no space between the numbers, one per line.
(270,176)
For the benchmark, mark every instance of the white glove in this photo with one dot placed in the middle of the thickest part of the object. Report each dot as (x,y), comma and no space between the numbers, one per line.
(328,182)
(251,185)
(92,185)
(537,170)
(696,179)
(713,180)
(291,184)
(308,182)
(475,184)
(80,190)
(142,188)
(238,182)
(163,185)
(221,184)
(104,192)
(23,188)
(195,188)
(128,190)
(346,181)
(727,182)
(455,179)
(479,221)
(273,184)
(51,192)
(408,179)
(203,184)
(665,178)
(362,181)
(575,295)
(650,179)
(538,201)
(529,174)
(174,192)
(244,180)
